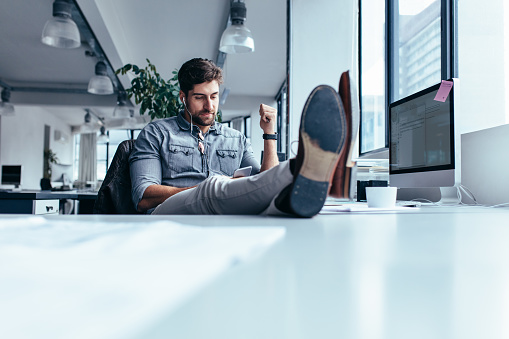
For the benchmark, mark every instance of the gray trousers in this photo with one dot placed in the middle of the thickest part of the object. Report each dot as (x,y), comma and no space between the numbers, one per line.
(223,195)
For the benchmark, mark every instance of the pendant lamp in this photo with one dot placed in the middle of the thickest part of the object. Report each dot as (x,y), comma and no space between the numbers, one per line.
(237,38)
(61,31)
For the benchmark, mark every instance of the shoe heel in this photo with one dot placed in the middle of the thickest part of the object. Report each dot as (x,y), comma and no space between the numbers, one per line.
(307,196)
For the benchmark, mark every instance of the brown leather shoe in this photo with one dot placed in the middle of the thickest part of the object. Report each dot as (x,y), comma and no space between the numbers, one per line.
(322,137)
(341,182)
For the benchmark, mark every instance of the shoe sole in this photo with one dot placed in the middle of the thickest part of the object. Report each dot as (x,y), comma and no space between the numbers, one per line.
(322,136)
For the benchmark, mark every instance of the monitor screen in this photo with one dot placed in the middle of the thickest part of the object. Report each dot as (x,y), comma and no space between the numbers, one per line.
(423,149)
(11,175)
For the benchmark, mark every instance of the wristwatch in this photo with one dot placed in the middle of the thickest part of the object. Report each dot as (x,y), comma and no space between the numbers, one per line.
(270,136)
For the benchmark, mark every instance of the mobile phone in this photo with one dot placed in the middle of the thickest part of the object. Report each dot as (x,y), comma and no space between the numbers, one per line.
(243,172)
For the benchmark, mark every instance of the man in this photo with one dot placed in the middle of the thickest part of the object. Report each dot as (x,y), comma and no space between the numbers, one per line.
(184,164)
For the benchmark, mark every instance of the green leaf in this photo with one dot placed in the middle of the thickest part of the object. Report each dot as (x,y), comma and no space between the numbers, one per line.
(146,104)
(157,97)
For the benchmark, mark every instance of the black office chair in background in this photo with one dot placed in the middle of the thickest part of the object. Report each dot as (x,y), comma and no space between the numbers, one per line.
(114,196)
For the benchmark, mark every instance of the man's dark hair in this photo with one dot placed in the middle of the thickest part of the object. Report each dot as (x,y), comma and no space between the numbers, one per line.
(197,71)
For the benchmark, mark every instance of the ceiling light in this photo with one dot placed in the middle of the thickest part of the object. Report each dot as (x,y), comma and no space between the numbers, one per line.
(6,109)
(100,83)
(88,127)
(88,118)
(237,38)
(121,110)
(61,31)
(103,138)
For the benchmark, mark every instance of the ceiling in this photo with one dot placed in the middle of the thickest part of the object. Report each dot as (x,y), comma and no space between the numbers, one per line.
(168,32)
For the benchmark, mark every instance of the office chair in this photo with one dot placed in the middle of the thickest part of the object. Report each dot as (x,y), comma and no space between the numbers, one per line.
(114,196)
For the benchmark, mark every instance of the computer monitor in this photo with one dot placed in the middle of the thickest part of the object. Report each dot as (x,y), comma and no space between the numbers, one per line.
(11,175)
(61,173)
(424,142)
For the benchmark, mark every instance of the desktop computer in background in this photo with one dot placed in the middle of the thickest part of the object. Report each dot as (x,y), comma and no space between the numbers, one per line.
(61,176)
(12,175)
(424,144)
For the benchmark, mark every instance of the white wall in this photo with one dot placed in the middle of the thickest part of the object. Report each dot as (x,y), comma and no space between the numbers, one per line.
(322,46)
(22,142)
(482,71)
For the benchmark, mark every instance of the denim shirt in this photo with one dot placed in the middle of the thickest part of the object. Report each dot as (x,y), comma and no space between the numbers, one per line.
(166,153)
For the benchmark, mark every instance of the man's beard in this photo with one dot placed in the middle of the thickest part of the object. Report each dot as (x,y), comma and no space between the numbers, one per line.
(197,120)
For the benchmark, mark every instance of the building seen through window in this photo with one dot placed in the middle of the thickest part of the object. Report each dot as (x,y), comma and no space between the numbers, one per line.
(419,50)
(415,55)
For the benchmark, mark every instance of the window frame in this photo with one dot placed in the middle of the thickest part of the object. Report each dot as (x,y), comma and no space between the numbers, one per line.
(448,66)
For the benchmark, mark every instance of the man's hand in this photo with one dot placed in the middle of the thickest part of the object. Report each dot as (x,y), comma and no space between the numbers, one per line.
(268,117)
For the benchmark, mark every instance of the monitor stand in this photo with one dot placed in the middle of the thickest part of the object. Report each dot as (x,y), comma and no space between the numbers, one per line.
(17,188)
(450,196)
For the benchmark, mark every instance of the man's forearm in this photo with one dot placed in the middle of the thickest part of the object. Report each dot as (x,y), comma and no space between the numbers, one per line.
(270,158)
(156,194)
(268,117)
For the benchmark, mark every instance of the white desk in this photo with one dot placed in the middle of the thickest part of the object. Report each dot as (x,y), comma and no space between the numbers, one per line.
(433,273)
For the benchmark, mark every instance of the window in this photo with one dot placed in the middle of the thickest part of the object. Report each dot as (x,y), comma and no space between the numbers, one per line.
(415,53)
(116,136)
(105,151)
(372,75)
(282,120)
(76,157)
(247,128)
(102,159)
(418,53)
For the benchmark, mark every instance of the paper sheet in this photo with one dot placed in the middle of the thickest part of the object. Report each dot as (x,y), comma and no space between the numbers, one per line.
(361,208)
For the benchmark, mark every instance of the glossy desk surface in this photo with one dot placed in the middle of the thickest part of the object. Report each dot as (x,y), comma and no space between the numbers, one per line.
(425,273)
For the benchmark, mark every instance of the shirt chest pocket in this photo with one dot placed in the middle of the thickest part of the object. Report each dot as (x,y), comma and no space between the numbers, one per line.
(229,161)
(180,158)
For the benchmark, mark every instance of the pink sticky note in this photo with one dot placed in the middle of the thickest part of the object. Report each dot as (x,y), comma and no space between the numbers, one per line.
(443,91)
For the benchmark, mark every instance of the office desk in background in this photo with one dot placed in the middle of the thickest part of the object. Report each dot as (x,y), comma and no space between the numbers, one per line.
(46,202)
(425,273)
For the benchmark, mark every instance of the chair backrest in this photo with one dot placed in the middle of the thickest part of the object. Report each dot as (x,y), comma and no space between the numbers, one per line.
(114,196)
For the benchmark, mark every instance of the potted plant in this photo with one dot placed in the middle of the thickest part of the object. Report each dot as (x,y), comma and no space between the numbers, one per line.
(49,158)
(158,97)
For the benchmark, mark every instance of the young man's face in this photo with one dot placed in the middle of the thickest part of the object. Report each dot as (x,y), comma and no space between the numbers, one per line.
(202,103)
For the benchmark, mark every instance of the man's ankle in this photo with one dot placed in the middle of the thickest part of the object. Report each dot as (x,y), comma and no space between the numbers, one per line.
(282,201)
